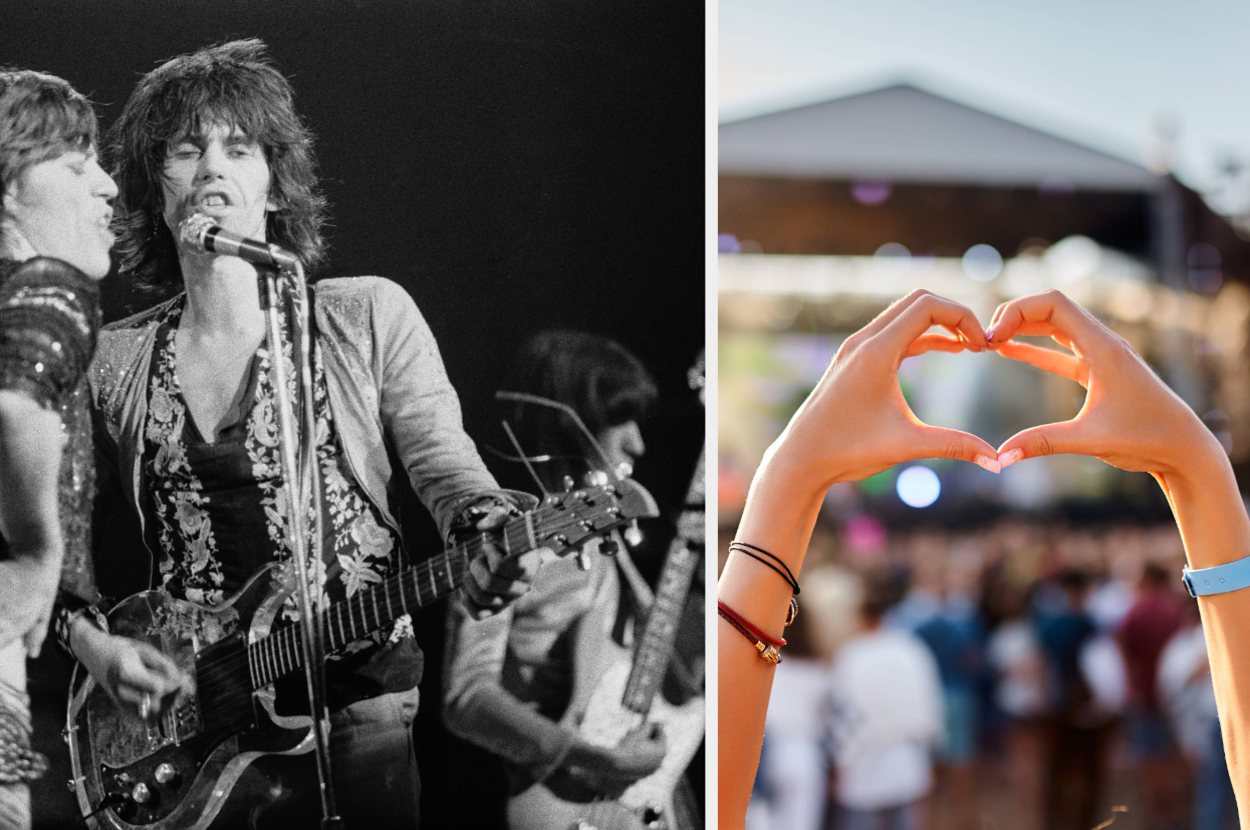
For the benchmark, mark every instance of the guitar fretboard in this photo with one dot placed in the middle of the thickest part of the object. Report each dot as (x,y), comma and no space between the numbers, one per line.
(656,645)
(554,526)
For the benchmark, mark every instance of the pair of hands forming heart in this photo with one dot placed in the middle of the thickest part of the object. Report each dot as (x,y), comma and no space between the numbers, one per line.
(856,422)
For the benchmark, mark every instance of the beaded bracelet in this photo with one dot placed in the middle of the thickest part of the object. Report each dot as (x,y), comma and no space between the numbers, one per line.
(767,646)
(787,574)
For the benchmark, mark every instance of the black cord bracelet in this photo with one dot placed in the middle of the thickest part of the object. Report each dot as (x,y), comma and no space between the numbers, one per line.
(787,575)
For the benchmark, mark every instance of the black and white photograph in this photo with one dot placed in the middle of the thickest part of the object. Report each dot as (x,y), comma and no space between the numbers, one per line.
(387,315)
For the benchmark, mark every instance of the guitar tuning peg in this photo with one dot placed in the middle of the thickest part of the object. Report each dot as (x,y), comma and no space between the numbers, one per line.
(624,470)
(596,478)
(633,535)
(583,558)
(609,547)
(567,483)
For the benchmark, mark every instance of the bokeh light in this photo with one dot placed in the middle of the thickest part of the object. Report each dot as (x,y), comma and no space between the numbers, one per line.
(918,486)
(871,193)
(983,262)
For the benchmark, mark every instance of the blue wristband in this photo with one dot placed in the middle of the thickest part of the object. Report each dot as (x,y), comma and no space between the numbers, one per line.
(1221,579)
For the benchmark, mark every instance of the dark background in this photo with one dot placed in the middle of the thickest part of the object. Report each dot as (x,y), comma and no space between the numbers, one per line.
(514,165)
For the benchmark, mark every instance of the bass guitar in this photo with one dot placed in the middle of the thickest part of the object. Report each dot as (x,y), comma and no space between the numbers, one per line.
(178,770)
(624,697)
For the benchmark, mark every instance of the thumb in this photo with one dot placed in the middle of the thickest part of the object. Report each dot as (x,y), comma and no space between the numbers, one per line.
(938,442)
(1048,439)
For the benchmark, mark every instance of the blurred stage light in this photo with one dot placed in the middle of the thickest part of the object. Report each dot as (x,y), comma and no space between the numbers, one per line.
(918,486)
(893,249)
(871,193)
(1072,258)
(891,260)
(983,262)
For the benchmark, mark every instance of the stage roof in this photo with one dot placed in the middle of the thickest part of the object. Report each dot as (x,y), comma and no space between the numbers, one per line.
(904,134)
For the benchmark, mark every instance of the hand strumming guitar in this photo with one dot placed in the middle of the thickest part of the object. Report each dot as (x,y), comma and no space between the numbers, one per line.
(135,674)
(610,770)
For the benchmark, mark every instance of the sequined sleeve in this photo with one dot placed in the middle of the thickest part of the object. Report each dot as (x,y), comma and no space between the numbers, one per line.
(48,320)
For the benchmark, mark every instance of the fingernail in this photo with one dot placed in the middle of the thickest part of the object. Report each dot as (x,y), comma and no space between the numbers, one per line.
(988,463)
(1010,457)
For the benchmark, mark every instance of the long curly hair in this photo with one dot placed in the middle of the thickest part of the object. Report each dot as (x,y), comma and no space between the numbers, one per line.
(41,117)
(235,84)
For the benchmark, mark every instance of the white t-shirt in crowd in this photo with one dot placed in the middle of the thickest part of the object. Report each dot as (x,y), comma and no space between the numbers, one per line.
(1017,659)
(1185,687)
(887,699)
(798,708)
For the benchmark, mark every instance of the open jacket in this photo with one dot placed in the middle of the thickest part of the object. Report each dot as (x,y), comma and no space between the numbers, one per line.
(387,389)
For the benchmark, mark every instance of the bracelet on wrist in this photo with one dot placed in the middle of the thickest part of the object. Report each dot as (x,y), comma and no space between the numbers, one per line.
(767,646)
(786,574)
(1231,576)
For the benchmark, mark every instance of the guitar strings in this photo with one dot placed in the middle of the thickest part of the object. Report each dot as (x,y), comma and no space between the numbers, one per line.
(275,661)
(215,669)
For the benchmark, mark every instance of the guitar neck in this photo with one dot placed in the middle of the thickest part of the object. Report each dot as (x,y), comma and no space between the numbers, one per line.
(655,648)
(351,619)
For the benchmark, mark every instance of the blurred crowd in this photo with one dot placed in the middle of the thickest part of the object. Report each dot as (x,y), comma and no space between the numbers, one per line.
(1023,675)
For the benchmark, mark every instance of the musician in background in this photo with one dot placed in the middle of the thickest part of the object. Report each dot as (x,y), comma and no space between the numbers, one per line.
(188,423)
(54,244)
(508,680)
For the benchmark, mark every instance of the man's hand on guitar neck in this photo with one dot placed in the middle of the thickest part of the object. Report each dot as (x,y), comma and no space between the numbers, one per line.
(610,770)
(496,580)
(135,674)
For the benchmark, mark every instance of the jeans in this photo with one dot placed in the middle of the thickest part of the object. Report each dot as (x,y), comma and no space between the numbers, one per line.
(374,763)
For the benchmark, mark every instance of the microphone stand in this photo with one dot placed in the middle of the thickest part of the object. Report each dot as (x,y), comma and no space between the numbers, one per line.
(299,477)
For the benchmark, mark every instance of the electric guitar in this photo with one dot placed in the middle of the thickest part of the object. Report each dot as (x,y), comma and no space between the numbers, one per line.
(177,771)
(622,697)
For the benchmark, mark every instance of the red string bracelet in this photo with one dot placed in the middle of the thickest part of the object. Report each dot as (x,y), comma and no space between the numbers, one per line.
(767,646)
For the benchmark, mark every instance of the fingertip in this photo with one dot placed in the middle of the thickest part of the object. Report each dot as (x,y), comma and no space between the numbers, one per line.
(988,462)
(1010,457)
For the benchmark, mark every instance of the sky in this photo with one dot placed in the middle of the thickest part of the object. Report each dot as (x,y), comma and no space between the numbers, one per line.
(1103,73)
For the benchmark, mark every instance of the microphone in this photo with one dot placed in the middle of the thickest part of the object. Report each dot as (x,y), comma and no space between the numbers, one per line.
(204,234)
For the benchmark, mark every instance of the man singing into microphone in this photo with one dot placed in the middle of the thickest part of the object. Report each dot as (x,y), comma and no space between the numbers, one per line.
(189,427)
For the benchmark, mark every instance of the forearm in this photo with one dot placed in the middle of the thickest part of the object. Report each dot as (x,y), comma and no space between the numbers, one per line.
(1214,526)
(779,515)
(478,708)
(30,452)
(29,588)
(498,722)
(90,645)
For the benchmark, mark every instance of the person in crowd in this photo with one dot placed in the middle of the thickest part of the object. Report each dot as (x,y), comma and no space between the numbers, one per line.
(1078,728)
(795,765)
(887,718)
(1185,692)
(514,683)
(1153,619)
(187,424)
(1019,693)
(857,423)
(954,634)
(55,213)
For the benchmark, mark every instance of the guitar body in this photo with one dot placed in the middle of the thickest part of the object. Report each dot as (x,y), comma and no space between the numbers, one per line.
(178,770)
(563,803)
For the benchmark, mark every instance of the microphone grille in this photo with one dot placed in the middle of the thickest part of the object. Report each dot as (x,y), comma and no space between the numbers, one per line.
(192,229)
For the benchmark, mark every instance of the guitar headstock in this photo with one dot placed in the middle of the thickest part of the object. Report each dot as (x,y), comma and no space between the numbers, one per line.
(566,521)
